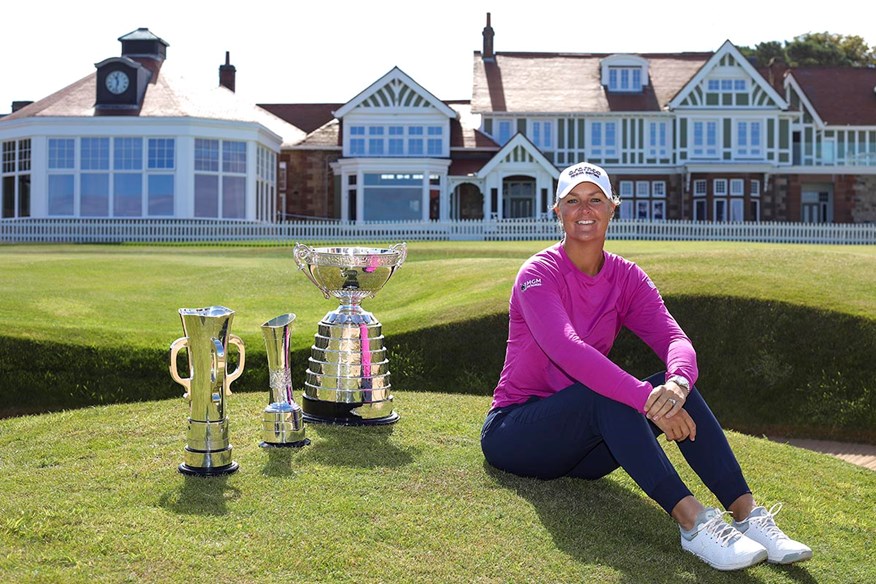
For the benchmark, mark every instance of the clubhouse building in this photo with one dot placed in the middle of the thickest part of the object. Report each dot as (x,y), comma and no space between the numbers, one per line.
(692,136)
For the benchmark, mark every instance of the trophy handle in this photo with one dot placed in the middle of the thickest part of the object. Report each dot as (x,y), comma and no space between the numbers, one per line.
(175,348)
(237,342)
(402,250)
(302,253)
(218,374)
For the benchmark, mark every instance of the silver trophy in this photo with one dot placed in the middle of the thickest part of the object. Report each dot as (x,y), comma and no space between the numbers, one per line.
(282,420)
(206,340)
(347,379)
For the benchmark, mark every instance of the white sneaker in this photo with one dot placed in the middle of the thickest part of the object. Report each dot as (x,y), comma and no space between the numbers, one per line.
(761,527)
(719,544)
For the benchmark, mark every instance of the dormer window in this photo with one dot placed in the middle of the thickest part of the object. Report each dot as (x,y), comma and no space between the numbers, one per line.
(624,73)
(624,79)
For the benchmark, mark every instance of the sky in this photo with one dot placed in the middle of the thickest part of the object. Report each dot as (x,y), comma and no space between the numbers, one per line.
(312,51)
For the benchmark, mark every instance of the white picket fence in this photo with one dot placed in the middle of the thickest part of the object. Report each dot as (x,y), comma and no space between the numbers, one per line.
(222,231)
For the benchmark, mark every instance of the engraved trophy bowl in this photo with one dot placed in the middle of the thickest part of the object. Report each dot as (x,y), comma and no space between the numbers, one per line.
(207,336)
(347,378)
(282,419)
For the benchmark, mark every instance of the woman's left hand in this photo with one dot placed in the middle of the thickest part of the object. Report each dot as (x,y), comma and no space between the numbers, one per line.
(665,401)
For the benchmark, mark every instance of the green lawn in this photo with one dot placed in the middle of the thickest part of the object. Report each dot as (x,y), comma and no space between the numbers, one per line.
(93,495)
(106,295)
(785,333)
(785,336)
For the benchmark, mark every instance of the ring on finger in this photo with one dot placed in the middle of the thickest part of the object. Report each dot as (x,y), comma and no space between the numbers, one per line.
(672,402)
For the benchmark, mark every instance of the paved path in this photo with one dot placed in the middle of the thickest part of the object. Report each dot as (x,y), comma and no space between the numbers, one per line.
(860,454)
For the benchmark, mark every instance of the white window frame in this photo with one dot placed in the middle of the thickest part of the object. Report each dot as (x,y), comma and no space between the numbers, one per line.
(737,211)
(620,83)
(658,188)
(658,139)
(643,188)
(661,205)
(754,204)
(719,187)
(505,130)
(625,210)
(748,138)
(737,187)
(626,188)
(700,187)
(726,85)
(643,210)
(828,151)
(598,134)
(700,209)
(706,146)
(536,130)
(755,188)
(723,203)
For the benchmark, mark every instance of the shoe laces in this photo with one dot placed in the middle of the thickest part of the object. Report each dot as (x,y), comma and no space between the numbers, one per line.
(723,532)
(767,524)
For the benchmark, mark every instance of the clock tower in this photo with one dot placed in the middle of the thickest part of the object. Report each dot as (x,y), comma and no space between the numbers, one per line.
(122,81)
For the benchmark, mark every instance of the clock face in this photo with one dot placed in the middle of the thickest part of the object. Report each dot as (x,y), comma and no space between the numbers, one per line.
(117,82)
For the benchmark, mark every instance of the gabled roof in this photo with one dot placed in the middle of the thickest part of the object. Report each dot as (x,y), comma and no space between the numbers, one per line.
(728,49)
(167,96)
(837,96)
(571,82)
(395,90)
(511,151)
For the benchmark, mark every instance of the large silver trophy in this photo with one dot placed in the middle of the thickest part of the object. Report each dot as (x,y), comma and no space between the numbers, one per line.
(282,420)
(207,336)
(347,379)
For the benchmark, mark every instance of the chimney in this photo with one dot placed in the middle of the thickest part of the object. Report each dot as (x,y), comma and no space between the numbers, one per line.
(17,105)
(227,73)
(777,69)
(488,54)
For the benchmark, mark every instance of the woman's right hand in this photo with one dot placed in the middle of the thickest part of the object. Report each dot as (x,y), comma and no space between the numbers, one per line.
(679,427)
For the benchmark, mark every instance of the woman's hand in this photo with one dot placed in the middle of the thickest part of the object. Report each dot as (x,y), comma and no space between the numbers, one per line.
(679,427)
(665,401)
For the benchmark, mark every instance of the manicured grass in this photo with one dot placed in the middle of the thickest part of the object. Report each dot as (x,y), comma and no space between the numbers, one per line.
(785,333)
(93,495)
(105,295)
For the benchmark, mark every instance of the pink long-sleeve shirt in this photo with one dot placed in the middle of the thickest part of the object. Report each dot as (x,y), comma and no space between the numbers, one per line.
(563,323)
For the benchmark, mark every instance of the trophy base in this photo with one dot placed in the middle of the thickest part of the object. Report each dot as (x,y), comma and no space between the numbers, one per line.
(209,471)
(298,444)
(345,414)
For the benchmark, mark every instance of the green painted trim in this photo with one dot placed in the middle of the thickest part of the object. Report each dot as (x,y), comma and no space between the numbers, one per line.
(488,126)
(728,133)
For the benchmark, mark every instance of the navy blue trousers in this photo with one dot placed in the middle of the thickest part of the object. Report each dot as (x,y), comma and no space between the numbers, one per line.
(578,433)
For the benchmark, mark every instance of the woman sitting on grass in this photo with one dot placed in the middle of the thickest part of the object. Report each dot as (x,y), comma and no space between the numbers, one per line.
(562,408)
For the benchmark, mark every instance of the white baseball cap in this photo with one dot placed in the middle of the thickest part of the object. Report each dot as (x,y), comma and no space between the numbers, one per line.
(584,172)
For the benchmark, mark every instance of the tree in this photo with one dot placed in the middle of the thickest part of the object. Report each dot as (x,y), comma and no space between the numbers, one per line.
(814,48)
(824,48)
(766,52)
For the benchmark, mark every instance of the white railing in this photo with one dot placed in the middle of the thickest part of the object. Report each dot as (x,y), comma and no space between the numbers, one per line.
(220,231)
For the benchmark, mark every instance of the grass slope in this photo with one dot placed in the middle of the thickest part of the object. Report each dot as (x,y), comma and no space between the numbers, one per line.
(785,333)
(93,495)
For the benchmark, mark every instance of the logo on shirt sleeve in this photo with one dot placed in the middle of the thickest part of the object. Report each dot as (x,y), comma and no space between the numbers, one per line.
(530,284)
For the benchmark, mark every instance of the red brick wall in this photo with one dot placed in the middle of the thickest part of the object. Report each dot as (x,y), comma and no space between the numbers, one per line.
(310,183)
(847,197)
